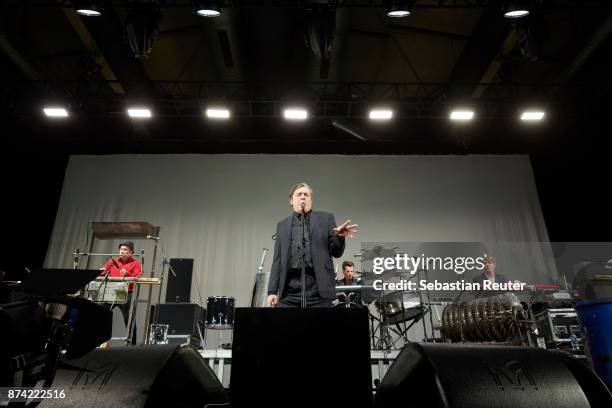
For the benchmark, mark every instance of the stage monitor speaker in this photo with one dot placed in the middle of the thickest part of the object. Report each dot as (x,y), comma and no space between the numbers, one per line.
(178,289)
(182,318)
(301,357)
(473,376)
(151,377)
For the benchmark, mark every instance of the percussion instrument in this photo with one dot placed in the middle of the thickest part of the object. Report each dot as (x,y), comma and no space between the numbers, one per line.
(114,289)
(366,292)
(107,292)
(220,312)
(390,303)
(396,310)
(498,318)
(141,281)
(347,305)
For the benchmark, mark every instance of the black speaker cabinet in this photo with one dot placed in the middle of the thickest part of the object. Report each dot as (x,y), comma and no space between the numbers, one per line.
(178,289)
(301,357)
(151,376)
(483,376)
(182,318)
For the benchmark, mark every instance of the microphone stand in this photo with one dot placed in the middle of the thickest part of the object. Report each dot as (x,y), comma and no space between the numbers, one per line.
(302,248)
(104,283)
(75,264)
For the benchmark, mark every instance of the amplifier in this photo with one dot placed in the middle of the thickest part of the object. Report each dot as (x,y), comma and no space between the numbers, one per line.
(557,325)
(182,318)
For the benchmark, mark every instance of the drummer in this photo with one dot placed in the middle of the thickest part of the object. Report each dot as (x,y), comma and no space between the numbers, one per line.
(124,265)
(348,279)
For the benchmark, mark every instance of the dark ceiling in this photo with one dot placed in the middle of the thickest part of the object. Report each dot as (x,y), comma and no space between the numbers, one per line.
(254,59)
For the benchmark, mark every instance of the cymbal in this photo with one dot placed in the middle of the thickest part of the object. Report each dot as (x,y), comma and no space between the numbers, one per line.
(385,275)
(378,252)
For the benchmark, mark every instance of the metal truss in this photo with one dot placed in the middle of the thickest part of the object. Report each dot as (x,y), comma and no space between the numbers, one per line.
(322,99)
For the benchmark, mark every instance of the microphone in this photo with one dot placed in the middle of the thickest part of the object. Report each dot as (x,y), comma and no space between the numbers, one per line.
(116,264)
(153,237)
(274,237)
(302,205)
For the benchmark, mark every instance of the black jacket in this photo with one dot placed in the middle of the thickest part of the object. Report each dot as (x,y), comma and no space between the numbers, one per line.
(324,244)
(499,278)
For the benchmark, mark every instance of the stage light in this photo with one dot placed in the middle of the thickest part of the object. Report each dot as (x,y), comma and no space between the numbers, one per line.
(515,9)
(139,113)
(399,8)
(295,114)
(381,114)
(141,26)
(462,115)
(532,116)
(55,112)
(88,8)
(217,113)
(320,30)
(207,8)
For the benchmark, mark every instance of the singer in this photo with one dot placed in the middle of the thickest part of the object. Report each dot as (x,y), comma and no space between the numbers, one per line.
(124,265)
(321,239)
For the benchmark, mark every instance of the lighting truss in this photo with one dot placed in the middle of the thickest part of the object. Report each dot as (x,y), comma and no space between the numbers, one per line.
(322,99)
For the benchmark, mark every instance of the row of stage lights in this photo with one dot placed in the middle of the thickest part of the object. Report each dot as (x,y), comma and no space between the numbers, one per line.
(393,8)
(296,114)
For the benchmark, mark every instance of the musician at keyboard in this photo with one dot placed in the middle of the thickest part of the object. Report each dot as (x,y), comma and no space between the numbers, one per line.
(348,279)
(123,266)
(491,275)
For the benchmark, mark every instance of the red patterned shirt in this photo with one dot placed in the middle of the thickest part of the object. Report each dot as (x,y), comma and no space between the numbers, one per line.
(132,267)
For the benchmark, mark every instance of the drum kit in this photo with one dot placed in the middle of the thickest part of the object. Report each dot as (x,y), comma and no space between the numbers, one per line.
(220,312)
(220,317)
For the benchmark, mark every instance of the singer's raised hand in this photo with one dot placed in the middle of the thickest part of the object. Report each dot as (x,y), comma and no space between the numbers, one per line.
(346,229)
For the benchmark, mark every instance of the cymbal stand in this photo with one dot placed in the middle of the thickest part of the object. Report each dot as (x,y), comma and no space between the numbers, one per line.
(404,332)
(425,309)
(384,340)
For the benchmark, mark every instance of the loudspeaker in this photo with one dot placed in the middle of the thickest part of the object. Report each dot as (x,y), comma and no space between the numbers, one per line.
(301,357)
(179,287)
(151,376)
(182,318)
(474,376)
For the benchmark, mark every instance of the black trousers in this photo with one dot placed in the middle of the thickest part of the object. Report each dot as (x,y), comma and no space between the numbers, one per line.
(293,301)
(293,292)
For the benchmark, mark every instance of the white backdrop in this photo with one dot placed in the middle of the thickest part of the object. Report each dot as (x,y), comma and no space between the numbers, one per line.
(222,210)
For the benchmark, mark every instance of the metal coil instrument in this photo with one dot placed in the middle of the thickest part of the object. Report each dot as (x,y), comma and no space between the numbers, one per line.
(499,318)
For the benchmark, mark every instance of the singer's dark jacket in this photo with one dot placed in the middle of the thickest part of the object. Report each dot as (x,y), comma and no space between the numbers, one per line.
(324,244)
